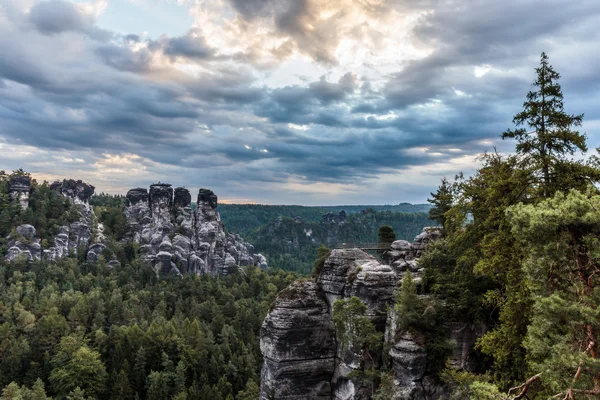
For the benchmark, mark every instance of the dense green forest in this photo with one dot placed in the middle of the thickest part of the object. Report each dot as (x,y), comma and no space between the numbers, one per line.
(292,245)
(522,255)
(246,218)
(88,331)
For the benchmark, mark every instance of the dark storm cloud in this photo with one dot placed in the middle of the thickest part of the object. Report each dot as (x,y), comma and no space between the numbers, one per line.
(253,8)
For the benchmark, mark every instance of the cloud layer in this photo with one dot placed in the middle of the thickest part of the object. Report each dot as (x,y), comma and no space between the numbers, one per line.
(295,101)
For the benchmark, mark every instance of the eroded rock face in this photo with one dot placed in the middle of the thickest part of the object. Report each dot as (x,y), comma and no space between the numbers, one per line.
(464,336)
(19,188)
(71,239)
(177,240)
(291,352)
(293,335)
(76,190)
(403,255)
(298,343)
(24,244)
(76,236)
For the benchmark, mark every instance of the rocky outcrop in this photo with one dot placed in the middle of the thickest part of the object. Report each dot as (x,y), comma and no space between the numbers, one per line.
(19,189)
(290,348)
(24,244)
(298,345)
(331,218)
(72,238)
(464,336)
(297,356)
(78,191)
(177,240)
(403,255)
(76,236)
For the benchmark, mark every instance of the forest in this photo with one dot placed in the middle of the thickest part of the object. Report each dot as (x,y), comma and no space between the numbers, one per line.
(292,245)
(521,255)
(247,218)
(70,330)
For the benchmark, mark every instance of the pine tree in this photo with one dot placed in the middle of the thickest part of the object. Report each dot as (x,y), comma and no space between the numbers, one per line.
(442,202)
(552,138)
(562,235)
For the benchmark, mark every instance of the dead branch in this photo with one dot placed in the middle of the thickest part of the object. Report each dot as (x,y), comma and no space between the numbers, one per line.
(524,387)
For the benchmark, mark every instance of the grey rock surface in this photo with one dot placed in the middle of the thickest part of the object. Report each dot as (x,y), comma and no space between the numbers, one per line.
(293,337)
(19,189)
(298,343)
(177,240)
(71,239)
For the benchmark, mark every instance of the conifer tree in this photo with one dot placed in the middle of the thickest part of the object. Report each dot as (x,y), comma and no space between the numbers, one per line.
(564,260)
(547,135)
(442,202)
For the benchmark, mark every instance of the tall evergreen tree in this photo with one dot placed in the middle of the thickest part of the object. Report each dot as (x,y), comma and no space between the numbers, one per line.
(547,135)
(442,202)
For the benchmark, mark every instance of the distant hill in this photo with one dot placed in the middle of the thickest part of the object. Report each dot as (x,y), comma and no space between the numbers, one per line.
(289,235)
(246,218)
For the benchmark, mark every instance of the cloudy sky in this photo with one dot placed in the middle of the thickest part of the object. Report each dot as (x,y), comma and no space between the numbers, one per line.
(280,101)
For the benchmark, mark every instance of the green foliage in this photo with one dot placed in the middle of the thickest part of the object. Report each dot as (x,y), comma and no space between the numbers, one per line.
(356,333)
(464,385)
(251,392)
(291,245)
(442,202)
(75,365)
(244,219)
(90,331)
(553,137)
(564,256)
(322,255)
(423,317)
(107,200)
(15,392)
(47,211)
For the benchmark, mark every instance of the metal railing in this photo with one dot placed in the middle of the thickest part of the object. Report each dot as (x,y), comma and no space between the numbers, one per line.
(362,246)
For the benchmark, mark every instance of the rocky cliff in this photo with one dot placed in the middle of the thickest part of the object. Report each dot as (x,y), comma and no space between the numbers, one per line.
(72,238)
(177,240)
(298,342)
(173,238)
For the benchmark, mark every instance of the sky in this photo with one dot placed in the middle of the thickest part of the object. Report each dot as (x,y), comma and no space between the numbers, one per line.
(308,102)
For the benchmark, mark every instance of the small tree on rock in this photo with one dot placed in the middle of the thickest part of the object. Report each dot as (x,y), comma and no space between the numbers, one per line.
(442,202)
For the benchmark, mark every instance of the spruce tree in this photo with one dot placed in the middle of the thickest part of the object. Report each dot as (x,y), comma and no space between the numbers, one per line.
(442,202)
(547,135)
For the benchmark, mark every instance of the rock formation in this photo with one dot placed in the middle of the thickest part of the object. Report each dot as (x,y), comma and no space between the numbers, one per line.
(302,359)
(177,240)
(331,218)
(298,345)
(72,237)
(173,238)
(18,189)
(403,255)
